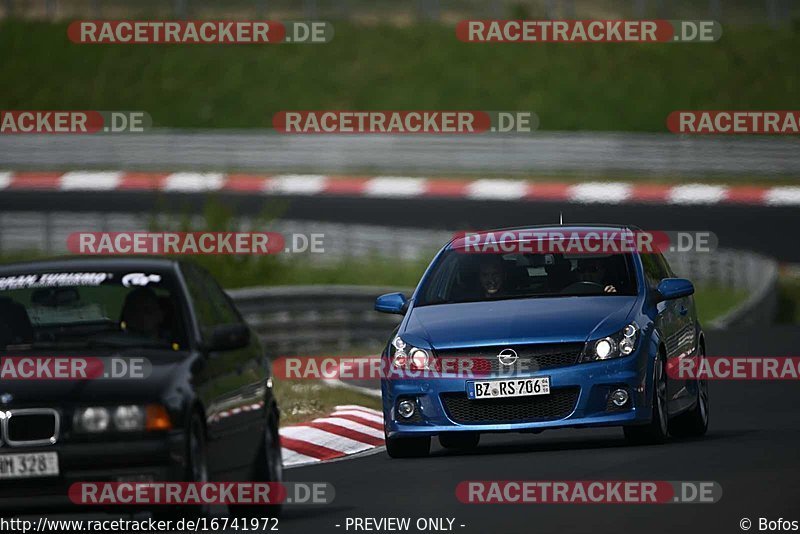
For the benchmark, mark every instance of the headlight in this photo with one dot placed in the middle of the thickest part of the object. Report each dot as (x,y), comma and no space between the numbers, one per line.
(405,356)
(92,419)
(623,343)
(125,418)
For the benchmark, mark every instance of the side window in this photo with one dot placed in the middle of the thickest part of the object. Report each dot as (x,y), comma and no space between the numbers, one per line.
(667,269)
(203,306)
(224,310)
(652,269)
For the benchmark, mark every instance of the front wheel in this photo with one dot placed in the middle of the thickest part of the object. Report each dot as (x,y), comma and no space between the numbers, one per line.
(693,423)
(656,430)
(408,447)
(268,467)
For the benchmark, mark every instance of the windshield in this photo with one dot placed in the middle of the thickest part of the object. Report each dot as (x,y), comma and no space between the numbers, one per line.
(75,310)
(464,277)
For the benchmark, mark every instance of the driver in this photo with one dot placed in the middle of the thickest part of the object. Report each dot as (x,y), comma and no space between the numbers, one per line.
(492,276)
(142,313)
(594,270)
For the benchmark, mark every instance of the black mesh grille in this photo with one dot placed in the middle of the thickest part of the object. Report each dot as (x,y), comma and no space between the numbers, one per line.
(31,427)
(557,405)
(531,357)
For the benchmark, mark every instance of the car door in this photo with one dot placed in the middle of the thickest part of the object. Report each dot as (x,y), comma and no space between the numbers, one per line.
(666,311)
(231,383)
(684,342)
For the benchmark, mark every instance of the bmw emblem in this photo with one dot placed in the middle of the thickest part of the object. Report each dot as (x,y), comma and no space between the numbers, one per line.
(508,356)
(5,398)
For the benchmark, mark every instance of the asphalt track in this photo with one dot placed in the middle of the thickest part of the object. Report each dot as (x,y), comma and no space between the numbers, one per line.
(770,230)
(751,449)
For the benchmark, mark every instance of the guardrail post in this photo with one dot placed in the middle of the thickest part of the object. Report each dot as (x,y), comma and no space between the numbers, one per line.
(310,9)
(773,17)
(496,9)
(261,9)
(715,10)
(639,8)
(550,9)
(181,8)
(569,9)
(662,8)
(50,9)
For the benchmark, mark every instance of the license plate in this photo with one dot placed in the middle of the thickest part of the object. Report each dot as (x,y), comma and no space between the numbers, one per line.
(499,389)
(26,465)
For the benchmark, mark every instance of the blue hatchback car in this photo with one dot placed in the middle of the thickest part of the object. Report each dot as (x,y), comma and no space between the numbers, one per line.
(525,339)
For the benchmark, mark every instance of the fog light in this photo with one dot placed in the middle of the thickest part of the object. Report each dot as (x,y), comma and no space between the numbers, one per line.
(619,397)
(406,408)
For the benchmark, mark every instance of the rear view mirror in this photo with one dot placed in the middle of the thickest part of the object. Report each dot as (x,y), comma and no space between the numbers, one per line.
(391,303)
(675,288)
(228,337)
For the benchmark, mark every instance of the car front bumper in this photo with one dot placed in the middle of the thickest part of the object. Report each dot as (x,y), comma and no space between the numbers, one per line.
(588,384)
(148,459)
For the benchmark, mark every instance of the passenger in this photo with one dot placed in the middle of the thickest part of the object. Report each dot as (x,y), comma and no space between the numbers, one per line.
(492,277)
(142,313)
(594,270)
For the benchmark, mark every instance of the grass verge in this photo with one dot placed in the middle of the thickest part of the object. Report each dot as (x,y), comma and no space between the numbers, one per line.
(304,400)
(609,86)
(713,301)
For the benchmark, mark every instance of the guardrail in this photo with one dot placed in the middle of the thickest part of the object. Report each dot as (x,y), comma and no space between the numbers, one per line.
(774,12)
(311,319)
(545,152)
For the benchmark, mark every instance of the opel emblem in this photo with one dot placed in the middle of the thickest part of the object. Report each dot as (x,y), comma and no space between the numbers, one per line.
(508,356)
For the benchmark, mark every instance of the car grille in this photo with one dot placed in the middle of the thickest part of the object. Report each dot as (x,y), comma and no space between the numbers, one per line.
(531,357)
(557,405)
(35,426)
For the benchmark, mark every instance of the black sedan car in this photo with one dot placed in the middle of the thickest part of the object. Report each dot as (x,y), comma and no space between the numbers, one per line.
(183,391)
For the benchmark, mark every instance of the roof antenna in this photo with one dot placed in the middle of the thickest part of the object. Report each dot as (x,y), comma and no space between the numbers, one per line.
(561,218)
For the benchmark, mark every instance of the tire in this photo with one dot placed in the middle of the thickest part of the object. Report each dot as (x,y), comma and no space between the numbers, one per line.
(693,423)
(657,429)
(196,471)
(459,440)
(408,447)
(268,467)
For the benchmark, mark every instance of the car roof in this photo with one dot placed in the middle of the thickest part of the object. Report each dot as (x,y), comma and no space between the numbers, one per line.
(94,263)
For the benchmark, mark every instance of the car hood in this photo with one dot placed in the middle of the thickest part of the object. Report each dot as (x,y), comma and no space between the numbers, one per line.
(517,321)
(162,368)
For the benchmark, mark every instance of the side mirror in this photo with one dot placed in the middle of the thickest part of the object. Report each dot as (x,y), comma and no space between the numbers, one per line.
(675,288)
(228,337)
(391,303)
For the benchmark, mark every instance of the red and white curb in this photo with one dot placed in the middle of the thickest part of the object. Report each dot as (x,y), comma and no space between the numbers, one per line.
(403,187)
(348,430)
